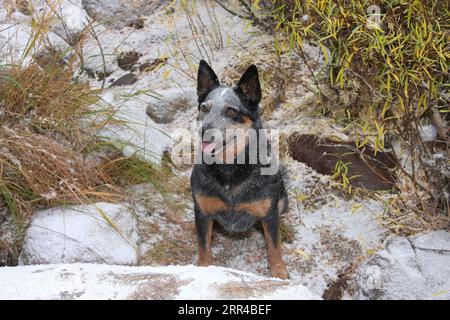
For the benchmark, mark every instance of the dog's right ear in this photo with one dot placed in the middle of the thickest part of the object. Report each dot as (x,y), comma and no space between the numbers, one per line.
(206,80)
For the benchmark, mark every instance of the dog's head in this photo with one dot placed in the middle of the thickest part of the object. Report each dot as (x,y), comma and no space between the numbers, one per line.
(222,108)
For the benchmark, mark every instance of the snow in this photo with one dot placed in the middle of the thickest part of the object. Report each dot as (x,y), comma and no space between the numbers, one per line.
(139,134)
(97,233)
(408,268)
(72,19)
(93,281)
(428,132)
(16,32)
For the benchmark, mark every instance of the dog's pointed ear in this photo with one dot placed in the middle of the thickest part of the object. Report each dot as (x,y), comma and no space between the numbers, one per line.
(249,86)
(206,80)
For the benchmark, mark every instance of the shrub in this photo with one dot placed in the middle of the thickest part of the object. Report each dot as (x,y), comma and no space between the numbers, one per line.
(395,66)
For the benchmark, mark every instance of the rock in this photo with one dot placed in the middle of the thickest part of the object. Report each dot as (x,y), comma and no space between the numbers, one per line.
(127,60)
(117,13)
(428,132)
(97,233)
(126,80)
(141,133)
(366,169)
(72,21)
(24,7)
(137,24)
(151,65)
(90,281)
(408,268)
(164,109)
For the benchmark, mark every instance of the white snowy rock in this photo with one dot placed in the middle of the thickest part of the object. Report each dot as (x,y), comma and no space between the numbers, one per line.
(408,268)
(99,61)
(428,132)
(119,13)
(90,281)
(72,19)
(97,233)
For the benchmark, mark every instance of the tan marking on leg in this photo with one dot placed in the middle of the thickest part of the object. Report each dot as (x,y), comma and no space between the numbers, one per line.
(276,264)
(210,205)
(205,254)
(258,208)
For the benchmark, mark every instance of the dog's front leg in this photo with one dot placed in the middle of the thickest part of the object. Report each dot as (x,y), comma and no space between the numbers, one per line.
(204,234)
(271,230)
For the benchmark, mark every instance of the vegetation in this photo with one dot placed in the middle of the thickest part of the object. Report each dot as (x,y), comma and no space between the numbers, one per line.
(392,59)
(50,152)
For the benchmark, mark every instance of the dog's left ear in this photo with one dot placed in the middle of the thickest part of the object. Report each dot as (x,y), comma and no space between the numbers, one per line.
(249,86)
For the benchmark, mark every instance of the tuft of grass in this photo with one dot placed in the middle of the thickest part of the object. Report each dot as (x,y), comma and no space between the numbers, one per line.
(45,100)
(133,170)
(287,232)
(168,252)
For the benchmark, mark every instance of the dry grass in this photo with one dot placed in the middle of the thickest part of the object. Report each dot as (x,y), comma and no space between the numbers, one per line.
(35,167)
(45,100)
(45,125)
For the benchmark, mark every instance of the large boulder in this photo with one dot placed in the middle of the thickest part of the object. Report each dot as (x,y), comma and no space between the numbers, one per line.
(89,281)
(97,233)
(408,268)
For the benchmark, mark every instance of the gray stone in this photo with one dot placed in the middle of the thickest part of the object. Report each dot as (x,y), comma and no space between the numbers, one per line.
(97,233)
(71,22)
(126,80)
(119,13)
(164,109)
(408,268)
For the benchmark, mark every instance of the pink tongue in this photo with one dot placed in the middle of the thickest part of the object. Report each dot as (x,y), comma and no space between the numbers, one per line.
(208,147)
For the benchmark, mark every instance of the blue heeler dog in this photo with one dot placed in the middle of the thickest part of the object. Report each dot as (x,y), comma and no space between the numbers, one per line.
(235,195)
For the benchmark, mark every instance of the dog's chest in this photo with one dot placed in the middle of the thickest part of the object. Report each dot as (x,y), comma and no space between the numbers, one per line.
(233,209)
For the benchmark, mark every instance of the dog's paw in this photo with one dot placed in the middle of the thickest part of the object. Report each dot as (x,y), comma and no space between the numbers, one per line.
(280,272)
(204,262)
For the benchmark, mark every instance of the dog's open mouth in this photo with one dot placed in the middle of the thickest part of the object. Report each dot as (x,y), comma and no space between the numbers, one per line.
(208,147)
(214,148)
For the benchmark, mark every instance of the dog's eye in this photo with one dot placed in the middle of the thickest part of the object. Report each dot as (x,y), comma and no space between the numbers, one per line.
(204,107)
(231,112)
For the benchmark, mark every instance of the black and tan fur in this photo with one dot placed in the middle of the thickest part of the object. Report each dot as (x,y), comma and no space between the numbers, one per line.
(236,196)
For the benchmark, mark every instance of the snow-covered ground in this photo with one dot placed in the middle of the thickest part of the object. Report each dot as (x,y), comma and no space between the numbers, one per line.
(91,281)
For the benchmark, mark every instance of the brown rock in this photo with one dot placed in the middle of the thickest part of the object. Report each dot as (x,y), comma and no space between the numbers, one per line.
(373,172)
(127,60)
